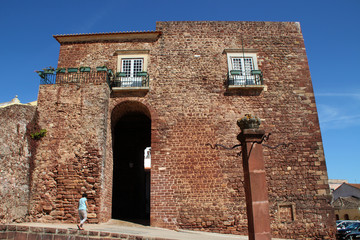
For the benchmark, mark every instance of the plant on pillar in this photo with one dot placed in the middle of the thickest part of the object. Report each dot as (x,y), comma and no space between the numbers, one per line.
(249,122)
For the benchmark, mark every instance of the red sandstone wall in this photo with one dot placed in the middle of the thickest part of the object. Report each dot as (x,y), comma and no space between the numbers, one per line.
(206,185)
(69,160)
(17,122)
(193,186)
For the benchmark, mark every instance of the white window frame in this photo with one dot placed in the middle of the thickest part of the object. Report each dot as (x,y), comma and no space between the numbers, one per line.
(131,77)
(132,55)
(245,78)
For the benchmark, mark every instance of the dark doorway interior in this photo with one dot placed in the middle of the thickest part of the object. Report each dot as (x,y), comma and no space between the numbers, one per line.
(131,182)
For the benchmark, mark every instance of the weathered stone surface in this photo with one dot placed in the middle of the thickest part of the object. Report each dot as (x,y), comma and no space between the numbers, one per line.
(192,185)
(16,124)
(68,159)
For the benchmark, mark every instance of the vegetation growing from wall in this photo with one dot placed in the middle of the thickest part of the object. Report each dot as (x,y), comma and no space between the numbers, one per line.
(38,135)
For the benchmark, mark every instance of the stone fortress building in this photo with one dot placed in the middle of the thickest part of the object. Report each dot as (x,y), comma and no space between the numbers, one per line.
(175,89)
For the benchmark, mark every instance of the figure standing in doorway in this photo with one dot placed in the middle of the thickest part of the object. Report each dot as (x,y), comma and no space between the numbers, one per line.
(82,211)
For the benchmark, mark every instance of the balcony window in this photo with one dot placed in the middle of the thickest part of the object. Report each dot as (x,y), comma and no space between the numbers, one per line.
(131,70)
(243,70)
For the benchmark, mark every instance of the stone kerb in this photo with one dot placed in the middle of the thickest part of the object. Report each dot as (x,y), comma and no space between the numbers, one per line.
(18,232)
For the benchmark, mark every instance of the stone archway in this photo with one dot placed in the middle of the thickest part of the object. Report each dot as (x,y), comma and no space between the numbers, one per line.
(131,134)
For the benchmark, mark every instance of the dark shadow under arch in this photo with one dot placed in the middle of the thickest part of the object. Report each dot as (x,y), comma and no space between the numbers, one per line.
(131,130)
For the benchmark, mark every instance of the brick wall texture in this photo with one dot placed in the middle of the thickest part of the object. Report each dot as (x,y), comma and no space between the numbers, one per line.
(192,185)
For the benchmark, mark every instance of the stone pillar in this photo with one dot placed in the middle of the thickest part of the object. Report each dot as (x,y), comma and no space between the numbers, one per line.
(257,201)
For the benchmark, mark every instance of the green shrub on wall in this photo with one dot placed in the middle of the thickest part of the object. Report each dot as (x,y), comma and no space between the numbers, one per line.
(38,135)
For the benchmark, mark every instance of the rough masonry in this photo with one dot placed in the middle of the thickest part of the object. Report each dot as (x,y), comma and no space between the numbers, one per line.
(187,104)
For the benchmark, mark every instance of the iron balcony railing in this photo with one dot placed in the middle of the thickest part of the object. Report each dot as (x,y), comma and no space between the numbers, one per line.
(123,80)
(76,77)
(241,78)
(119,80)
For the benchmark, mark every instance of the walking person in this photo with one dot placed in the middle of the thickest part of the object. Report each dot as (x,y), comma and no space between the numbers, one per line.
(82,211)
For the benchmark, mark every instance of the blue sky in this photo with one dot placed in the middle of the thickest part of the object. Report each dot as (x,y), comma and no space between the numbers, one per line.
(331,31)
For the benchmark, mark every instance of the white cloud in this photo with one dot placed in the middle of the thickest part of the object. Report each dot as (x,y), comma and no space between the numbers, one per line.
(352,95)
(338,110)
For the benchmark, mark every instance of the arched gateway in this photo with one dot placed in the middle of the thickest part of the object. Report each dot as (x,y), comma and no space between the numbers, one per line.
(131,135)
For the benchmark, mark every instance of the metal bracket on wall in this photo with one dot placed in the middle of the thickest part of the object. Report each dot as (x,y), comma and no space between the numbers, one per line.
(218,146)
(265,138)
